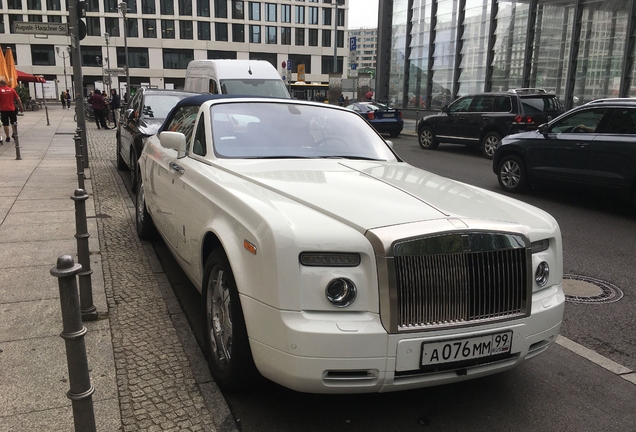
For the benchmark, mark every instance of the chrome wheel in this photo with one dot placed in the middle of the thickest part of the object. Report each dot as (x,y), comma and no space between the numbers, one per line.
(489,145)
(511,174)
(219,319)
(427,138)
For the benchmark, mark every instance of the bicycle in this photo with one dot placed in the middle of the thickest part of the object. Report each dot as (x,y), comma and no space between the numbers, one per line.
(89,114)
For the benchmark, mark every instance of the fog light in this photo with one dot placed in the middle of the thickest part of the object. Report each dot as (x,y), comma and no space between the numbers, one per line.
(341,292)
(542,273)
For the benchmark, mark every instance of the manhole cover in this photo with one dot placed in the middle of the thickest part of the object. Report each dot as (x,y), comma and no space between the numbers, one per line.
(583,289)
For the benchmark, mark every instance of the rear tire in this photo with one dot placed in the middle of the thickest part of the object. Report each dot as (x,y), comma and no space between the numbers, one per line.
(144,225)
(489,144)
(394,134)
(427,139)
(225,334)
(511,174)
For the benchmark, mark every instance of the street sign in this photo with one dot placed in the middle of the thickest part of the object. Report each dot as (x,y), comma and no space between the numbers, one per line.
(289,64)
(354,66)
(284,65)
(26,27)
(115,71)
(353,44)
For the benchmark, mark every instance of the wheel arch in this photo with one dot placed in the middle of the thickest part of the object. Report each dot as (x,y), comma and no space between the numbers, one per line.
(490,128)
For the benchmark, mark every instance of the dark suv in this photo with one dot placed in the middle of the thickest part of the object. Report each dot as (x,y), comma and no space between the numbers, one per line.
(483,119)
(591,145)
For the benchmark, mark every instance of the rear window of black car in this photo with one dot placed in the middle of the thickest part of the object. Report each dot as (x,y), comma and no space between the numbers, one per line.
(540,104)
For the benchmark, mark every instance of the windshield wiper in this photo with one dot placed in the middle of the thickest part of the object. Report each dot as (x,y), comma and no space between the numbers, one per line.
(349,157)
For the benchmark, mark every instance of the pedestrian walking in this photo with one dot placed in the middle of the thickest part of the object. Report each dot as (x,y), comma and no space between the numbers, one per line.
(8,111)
(63,99)
(99,108)
(115,104)
(68,99)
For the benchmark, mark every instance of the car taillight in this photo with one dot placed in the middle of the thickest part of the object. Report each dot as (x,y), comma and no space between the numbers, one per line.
(400,114)
(524,120)
(370,115)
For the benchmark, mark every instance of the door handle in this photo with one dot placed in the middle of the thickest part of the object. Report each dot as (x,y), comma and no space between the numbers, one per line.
(175,167)
(581,145)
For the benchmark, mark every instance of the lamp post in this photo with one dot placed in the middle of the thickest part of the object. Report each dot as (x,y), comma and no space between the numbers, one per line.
(123,8)
(107,38)
(64,54)
(335,39)
(99,61)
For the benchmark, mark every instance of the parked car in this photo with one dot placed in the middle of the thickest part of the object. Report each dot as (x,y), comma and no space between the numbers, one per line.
(592,145)
(146,112)
(483,119)
(383,118)
(329,265)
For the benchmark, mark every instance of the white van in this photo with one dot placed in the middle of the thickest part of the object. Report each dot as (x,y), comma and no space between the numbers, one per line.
(240,77)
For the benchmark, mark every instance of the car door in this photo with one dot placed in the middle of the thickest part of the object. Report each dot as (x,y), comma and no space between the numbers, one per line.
(561,153)
(448,126)
(166,176)
(610,160)
(479,114)
(128,126)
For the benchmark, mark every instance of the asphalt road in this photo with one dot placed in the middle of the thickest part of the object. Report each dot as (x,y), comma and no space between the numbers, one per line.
(557,391)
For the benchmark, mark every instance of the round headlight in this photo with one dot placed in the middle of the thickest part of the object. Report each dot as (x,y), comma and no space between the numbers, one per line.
(542,273)
(341,292)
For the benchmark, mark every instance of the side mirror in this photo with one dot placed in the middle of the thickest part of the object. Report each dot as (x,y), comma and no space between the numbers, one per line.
(175,141)
(543,129)
(130,114)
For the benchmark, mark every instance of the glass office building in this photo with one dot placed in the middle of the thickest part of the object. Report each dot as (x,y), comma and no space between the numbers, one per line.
(579,49)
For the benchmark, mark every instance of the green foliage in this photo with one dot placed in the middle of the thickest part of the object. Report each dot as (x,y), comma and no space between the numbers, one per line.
(23,92)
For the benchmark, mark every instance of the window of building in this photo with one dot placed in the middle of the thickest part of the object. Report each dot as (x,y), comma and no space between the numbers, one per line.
(219,54)
(285,13)
(53,5)
(91,56)
(340,39)
(312,15)
(166,7)
(186,29)
(185,7)
(270,35)
(255,11)
(300,14)
(220,32)
(326,38)
(237,9)
(148,7)
(299,37)
(132,29)
(341,17)
(203,8)
(109,6)
(150,28)
(298,59)
(42,55)
(313,37)
(14,18)
(270,12)
(137,57)
(93,26)
(34,5)
(14,4)
(203,30)
(220,11)
(255,34)
(111,26)
(167,29)
(34,18)
(177,58)
(238,33)
(54,18)
(327,64)
(285,35)
(326,16)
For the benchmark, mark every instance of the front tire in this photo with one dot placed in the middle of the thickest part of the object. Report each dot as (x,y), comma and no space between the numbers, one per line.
(512,174)
(225,334)
(489,144)
(143,221)
(427,139)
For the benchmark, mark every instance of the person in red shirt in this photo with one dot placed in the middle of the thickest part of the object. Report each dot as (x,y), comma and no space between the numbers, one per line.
(99,106)
(7,108)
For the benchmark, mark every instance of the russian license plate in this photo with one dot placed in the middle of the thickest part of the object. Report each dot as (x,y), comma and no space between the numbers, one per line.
(466,349)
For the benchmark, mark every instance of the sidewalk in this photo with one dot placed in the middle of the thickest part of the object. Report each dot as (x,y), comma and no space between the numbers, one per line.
(147,370)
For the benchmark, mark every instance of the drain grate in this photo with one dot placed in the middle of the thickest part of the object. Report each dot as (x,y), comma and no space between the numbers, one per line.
(584,289)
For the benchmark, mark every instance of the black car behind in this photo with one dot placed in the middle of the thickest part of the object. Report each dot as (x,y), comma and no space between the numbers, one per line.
(142,118)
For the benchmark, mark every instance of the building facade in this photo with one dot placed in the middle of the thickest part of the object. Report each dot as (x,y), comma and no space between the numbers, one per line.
(163,36)
(441,49)
(363,57)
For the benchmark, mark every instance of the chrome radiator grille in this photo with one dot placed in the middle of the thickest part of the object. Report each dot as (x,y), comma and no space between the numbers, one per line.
(439,286)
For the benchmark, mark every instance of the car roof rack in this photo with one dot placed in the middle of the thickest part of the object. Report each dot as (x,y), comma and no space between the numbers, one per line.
(612,100)
(528,90)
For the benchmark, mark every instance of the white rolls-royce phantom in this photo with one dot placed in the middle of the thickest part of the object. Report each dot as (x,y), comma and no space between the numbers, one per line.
(328,265)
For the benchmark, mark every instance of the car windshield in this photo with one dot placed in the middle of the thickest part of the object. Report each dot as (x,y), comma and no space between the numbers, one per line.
(158,106)
(254,87)
(286,130)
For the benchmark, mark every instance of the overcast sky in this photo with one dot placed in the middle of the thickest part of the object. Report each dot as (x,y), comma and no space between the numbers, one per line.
(363,13)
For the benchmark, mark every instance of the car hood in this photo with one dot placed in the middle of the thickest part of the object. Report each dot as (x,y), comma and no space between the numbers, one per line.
(370,194)
(519,136)
(150,126)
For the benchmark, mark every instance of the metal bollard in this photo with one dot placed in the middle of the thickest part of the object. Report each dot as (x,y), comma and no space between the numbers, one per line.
(81,391)
(46,109)
(84,137)
(89,311)
(17,142)
(79,163)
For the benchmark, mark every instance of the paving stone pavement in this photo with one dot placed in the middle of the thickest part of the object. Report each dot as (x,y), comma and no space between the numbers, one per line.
(156,385)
